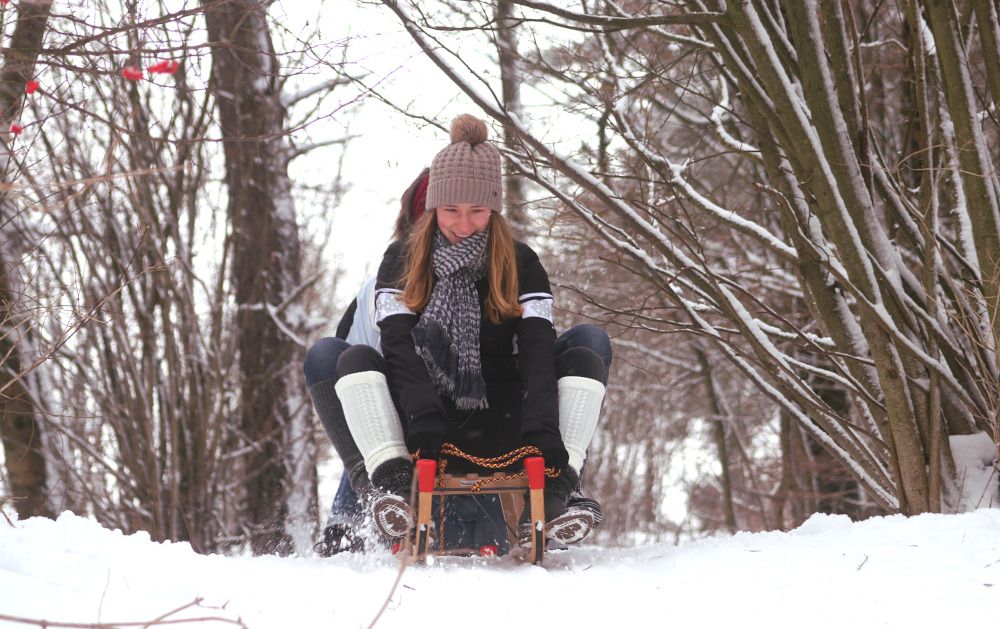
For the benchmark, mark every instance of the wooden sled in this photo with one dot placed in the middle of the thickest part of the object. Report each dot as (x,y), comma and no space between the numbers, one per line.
(510,488)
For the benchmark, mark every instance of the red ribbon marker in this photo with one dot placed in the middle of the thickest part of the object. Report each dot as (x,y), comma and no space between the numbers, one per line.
(164,67)
(132,73)
(31,87)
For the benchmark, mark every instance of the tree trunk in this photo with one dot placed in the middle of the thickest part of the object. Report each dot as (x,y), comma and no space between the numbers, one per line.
(510,83)
(265,271)
(718,435)
(974,157)
(19,422)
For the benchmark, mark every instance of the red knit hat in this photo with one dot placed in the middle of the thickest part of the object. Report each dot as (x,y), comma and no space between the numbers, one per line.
(412,205)
(419,203)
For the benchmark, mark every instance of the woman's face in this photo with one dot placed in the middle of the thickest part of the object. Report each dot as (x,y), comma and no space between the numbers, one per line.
(460,220)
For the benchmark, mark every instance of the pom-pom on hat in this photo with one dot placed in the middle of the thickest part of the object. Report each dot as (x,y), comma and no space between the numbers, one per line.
(468,170)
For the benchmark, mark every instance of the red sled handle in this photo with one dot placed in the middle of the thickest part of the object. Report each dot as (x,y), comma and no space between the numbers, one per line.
(535,467)
(426,471)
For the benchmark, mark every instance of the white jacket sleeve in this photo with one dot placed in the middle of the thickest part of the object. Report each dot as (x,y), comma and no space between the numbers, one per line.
(364,331)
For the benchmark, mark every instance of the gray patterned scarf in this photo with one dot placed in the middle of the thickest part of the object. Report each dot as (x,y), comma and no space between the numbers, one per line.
(447,335)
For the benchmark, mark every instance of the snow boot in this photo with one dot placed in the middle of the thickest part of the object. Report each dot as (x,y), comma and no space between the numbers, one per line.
(572,527)
(578,501)
(338,538)
(562,524)
(391,482)
(376,429)
(569,520)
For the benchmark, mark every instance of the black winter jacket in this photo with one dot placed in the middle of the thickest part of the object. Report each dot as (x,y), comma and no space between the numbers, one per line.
(517,356)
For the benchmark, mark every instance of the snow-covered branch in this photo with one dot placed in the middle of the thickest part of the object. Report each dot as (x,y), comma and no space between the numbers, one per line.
(621,23)
(290,100)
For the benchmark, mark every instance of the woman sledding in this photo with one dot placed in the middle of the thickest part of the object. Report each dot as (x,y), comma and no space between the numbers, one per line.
(469,354)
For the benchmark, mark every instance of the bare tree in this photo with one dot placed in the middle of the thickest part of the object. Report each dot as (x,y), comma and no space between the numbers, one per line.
(128,289)
(134,337)
(266,266)
(764,197)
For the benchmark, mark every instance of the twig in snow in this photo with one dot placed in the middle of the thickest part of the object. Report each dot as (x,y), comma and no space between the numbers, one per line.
(104,592)
(988,486)
(3,501)
(160,620)
(403,563)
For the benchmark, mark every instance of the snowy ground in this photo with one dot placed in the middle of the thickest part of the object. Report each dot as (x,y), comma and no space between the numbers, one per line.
(926,571)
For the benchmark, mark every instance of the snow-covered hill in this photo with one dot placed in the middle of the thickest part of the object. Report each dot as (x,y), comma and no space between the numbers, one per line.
(927,571)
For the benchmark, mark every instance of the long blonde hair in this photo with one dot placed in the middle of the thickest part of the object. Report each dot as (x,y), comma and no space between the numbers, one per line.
(501,268)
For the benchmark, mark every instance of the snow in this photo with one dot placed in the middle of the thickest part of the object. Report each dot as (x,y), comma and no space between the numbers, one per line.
(974,457)
(924,571)
(719,115)
(300,500)
(927,36)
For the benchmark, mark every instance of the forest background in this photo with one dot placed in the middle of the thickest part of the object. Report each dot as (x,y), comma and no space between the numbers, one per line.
(786,214)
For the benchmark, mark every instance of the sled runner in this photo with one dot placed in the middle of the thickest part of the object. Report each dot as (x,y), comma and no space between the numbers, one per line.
(432,481)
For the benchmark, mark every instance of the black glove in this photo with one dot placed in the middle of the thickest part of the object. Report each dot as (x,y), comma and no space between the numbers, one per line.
(426,433)
(551,445)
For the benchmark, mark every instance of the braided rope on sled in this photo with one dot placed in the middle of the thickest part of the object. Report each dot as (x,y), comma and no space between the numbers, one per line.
(490,463)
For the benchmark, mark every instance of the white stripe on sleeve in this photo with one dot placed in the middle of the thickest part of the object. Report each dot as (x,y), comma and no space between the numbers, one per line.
(389,302)
(537,306)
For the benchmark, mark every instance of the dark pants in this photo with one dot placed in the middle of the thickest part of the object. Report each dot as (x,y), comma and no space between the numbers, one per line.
(584,350)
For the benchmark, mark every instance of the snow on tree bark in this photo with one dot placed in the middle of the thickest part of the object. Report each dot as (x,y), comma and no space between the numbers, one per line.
(977,167)
(266,270)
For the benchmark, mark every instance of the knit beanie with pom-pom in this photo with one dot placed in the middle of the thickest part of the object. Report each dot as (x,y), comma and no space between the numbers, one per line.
(468,170)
